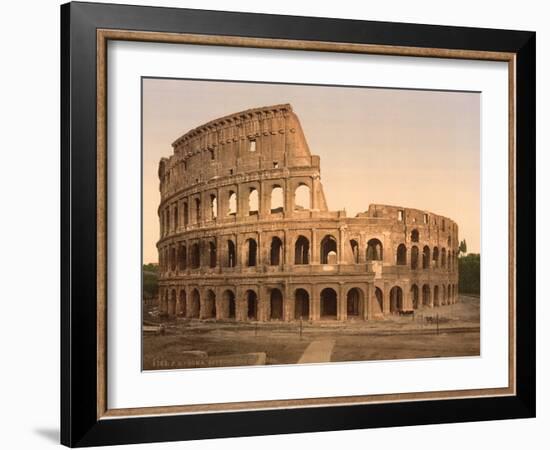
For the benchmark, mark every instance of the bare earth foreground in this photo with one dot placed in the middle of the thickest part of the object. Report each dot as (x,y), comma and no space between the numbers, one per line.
(445,331)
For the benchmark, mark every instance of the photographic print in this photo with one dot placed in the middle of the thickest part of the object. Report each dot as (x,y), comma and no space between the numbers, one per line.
(299,224)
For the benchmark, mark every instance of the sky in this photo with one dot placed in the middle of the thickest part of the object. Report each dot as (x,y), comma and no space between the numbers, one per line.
(410,148)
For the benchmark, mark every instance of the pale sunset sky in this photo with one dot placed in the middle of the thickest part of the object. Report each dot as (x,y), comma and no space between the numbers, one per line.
(417,149)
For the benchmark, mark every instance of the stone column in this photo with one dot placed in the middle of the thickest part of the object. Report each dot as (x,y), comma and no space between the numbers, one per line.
(368,311)
(287,250)
(342,302)
(341,250)
(314,247)
(288,303)
(386,297)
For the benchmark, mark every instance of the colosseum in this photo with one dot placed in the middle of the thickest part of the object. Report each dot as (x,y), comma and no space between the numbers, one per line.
(247,235)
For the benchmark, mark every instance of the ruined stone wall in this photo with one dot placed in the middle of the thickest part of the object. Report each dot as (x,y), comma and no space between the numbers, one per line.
(237,242)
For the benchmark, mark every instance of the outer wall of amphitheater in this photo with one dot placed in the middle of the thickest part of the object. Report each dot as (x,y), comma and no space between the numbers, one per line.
(246,233)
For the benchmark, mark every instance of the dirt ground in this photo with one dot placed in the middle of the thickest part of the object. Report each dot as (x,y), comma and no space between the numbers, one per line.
(445,331)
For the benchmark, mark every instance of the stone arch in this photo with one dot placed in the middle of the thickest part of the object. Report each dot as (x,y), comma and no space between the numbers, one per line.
(185,214)
(172,303)
(302,197)
(276,304)
(195,256)
(276,251)
(426,257)
(183,303)
(374,250)
(232,203)
(182,257)
(414,257)
(212,254)
(301,250)
(329,303)
(354,250)
(329,250)
(436,296)
(415,235)
(401,257)
(213,206)
(443,258)
(449,298)
(231,254)
(198,210)
(396,299)
(172,258)
(426,295)
(176,217)
(301,304)
(277,199)
(209,311)
(251,252)
(228,305)
(251,305)
(379,295)
(195,306)
(355,302)
(435,257)
(253,202)
(415,296)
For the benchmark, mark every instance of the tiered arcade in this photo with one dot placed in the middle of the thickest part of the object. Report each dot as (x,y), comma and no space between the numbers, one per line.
(246,233)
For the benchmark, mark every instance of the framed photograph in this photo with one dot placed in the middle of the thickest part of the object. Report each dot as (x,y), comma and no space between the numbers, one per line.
(278,224)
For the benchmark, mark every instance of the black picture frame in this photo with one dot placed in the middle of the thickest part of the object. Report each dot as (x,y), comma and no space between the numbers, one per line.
(80,425)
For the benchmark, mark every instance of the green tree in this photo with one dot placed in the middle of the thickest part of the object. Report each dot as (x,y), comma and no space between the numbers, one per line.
(468,273)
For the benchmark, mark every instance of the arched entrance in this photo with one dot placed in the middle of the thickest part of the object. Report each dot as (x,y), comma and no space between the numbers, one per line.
(228,305)
(251,305)
(183,303)
(328,250)
(276,305)
(426,295)
(172,304)
(415,296)
(396,299)
(210,305)
(436,295)
(379,298)
(301,305)
(329,303)
(195,304)
(355,303)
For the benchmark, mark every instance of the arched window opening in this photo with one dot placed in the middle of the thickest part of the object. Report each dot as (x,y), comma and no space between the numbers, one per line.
(210,305)
(396,299)
(329,303)
(198,209)
(253,203)
(252,305)
(426,257)
(415,235)
(195,256)
(182,257)
(443,258)
(354,251)
(415,296)
(435,257)
(436,295)
(172,303)
(379,298)
(301,304)
(173,258)
(185,214)
(212,254)
(355,303)
(374,250)
(277,200)
(251,253)
(228,305)
(401,255)
(414,257)
(213,207)
(176,218)
(276,251)
(232,204)
(231,254)
(167,221)
(426,295)
(328,250)
(302,198)
(195,305)
(301,250)
(276,304)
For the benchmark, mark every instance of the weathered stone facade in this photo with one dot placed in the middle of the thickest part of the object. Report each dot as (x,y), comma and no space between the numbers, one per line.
(236,245)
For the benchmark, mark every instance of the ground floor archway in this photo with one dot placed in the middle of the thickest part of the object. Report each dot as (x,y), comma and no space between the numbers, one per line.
(329,303)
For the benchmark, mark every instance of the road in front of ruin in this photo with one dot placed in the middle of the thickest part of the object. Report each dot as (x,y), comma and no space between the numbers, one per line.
(317,351)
